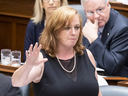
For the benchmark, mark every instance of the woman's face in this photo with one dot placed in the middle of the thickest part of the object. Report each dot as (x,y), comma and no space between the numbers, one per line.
(68,36)
(51,5)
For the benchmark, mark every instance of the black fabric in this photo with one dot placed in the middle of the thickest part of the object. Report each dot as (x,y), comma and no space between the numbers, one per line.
(68,65)
(107,28)
(6,88)
(54,82)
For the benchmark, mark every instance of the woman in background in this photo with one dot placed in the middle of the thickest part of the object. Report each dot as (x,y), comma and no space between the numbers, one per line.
(42,11)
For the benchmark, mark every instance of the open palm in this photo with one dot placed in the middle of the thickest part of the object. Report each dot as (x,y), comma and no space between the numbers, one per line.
(34,57)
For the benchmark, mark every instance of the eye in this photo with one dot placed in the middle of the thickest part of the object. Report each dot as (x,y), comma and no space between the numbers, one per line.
(67,28)
(77,27)
(99,10)
(90,13)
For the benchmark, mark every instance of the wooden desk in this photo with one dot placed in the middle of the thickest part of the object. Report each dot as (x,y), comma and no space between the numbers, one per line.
(7,69)
(123,83)
(113,80)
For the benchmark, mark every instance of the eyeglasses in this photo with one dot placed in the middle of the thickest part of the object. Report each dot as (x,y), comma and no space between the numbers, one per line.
(46,1)
(98,11)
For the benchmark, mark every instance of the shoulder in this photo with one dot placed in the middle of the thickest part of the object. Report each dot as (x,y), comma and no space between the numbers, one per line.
(30,27)
(120,20)
(118,23)
(91,57)
(30,24)
(45,55)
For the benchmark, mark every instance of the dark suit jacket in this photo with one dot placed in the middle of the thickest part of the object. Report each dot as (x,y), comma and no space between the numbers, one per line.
(111,53)
(6,88)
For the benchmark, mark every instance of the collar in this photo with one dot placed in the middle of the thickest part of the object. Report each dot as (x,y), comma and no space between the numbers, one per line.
(101,29)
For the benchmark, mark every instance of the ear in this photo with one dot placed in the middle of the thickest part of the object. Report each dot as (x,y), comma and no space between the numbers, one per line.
(108,4)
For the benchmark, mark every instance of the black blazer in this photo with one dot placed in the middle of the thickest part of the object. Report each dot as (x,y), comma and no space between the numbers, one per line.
(6,88)
(111,53)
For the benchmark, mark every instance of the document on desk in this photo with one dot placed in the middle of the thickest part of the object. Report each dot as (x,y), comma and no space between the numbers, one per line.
(99,69)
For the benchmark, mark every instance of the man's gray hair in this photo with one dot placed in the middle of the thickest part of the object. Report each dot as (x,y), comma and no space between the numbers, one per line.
(84,1)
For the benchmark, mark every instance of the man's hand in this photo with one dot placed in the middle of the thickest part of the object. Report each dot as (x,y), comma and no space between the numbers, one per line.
(90,30)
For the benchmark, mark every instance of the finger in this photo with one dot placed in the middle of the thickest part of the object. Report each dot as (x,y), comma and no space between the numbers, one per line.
(30,49)
(27,53)
(89,22)
(35,47)
(96,22)
(86,23)
(39,48)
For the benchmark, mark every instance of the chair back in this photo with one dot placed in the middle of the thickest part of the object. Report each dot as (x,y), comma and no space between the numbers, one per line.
(80,10)
(102,81)
(25,90)
(114,90)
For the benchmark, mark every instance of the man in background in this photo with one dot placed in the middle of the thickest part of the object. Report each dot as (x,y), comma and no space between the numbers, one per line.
(110,48)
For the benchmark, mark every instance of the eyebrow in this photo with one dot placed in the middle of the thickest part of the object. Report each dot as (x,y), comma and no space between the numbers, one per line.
(96,9)
(70,25)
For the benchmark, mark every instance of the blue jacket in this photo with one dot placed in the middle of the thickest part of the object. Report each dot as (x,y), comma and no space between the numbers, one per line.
(111,52)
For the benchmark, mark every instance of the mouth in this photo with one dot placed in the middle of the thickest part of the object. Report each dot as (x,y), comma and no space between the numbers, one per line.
(100,20)
(51,7)
(73,39)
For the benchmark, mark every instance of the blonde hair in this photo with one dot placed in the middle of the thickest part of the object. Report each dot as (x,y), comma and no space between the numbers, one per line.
(55,23)
(39,13)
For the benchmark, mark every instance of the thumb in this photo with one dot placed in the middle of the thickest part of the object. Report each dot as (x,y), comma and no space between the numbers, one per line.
(43,60)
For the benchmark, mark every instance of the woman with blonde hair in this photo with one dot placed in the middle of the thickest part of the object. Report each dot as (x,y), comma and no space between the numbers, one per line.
(70,68)
(42,10)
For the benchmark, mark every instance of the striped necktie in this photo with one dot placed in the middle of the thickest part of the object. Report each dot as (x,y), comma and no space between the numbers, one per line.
(99,34)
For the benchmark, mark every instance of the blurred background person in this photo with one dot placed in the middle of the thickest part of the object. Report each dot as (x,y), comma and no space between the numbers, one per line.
(110,48)
(6,88)
(42,11)
(70,68)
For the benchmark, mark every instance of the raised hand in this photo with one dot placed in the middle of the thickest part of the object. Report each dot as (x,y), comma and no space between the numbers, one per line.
(90,30)
(34,57)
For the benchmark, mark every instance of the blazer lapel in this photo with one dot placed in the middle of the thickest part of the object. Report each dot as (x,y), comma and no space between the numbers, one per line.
(108,27)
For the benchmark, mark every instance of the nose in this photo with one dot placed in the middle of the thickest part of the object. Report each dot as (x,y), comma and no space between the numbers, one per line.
(96,15)
(50,1)
(73,31)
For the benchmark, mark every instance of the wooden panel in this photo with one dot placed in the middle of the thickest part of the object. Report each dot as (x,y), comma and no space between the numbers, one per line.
(5,35)
(12,32)
(73,1)
(20,7)
(123,83)
(113,80)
